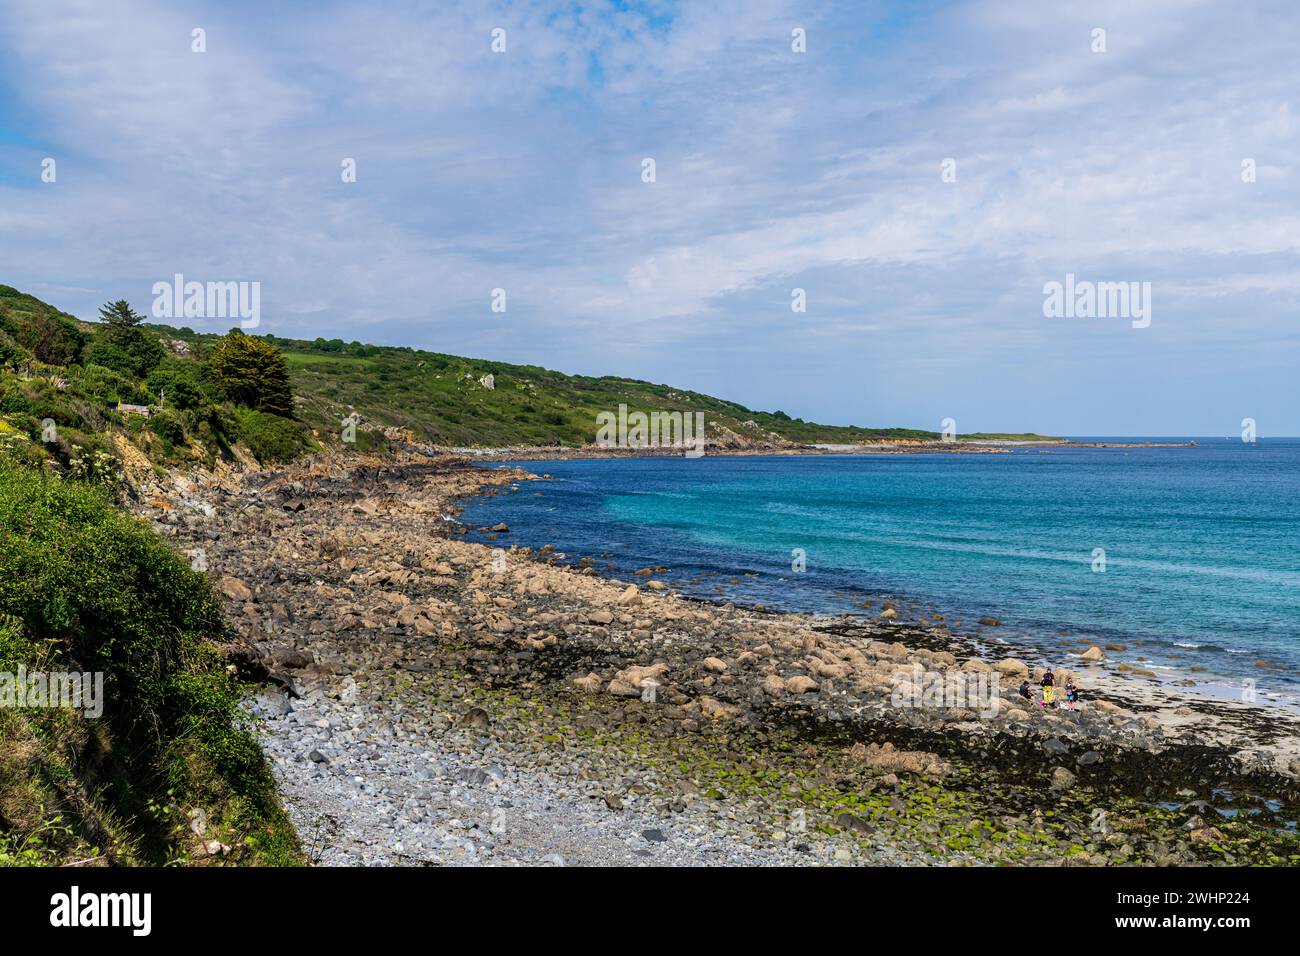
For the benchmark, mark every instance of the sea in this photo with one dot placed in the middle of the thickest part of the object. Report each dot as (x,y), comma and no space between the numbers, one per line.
(1186,556)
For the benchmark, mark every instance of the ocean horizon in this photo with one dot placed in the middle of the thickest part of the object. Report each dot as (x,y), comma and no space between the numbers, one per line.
(1186,557)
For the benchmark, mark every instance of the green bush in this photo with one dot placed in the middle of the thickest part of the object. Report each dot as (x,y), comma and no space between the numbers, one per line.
(168,425)
(85,586)
(133,352)
(271,438)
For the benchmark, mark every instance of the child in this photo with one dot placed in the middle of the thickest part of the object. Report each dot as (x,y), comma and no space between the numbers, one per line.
(1071,693)
(1025,692)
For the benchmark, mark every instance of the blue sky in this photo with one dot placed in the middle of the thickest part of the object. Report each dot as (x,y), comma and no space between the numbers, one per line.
(775,171)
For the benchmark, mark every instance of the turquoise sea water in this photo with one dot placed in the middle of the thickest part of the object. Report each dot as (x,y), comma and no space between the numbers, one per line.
(1202,544)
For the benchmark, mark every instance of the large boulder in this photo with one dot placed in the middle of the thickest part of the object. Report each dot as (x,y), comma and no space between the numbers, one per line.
(1012,667)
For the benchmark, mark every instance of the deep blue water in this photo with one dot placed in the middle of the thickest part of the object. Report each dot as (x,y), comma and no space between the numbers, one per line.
(1202,545)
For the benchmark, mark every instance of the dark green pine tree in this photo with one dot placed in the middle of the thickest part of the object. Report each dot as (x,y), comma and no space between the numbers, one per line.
(120,315)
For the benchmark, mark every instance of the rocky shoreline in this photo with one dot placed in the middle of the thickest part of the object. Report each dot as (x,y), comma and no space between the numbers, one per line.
(428,700)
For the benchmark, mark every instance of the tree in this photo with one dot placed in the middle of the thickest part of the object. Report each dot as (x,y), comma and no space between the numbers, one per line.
(252,372)
(119,315)
(123,345)
(50,339)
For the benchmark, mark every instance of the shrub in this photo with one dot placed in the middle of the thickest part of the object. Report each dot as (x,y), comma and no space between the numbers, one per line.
(110,387)
(133,352)
(168,425)
(177,383)
(272,438)
(84,586)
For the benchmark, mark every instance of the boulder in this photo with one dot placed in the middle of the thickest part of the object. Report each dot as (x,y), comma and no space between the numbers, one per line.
(589,684)
(773,684)
(800,684)
(717,710)
(1012,667)
(235,589)
(1062,779)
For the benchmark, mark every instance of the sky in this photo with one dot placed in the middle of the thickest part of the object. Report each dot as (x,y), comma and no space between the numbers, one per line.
(920,170)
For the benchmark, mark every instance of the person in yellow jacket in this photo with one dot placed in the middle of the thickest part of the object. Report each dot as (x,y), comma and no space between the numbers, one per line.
(1049,688)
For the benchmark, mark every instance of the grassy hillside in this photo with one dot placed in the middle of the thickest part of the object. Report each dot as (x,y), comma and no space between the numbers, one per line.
(56,370)
(439,399)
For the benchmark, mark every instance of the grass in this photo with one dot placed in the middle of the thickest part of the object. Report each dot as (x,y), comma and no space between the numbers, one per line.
(438,398)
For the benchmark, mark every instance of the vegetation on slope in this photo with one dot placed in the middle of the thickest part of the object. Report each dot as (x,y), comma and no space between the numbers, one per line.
(278,398)
(166,774)
(70,387)
(441,399)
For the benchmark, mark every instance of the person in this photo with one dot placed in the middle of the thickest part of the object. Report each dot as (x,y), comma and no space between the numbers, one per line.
(1049,689)
(1025,692)
(1071,693)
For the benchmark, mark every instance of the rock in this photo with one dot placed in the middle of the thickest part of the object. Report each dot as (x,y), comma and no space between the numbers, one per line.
(1012,667)
(632,595)
(235,589)
(800,684)
(976,666)
(600,617)
(773,684)
(717,710)
(887,757)
(317,757)
(499,528)
(889,614)
(476,718)
(589,684)
(613,801)
(1092,654)
(654,836)
(1062,779)
(849,821)
(1206,836)
(990,621)
(714,664)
